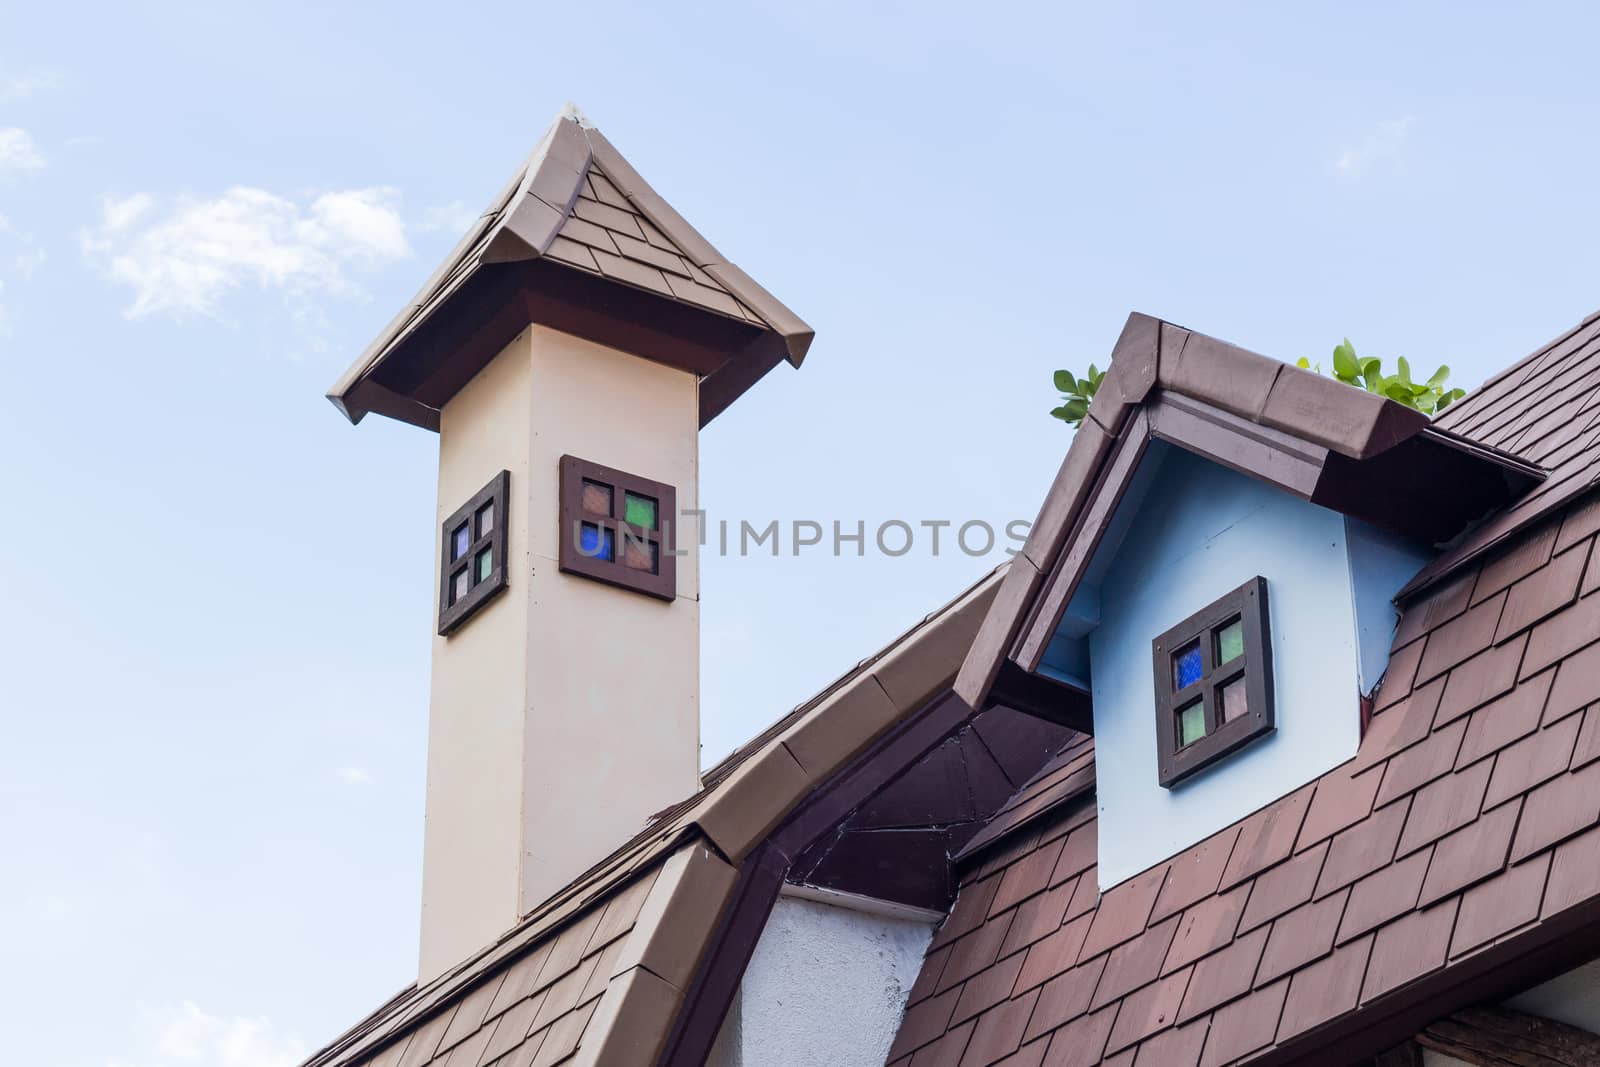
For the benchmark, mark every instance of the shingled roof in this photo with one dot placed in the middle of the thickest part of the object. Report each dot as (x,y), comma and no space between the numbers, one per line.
(623,941)
(578,204)
(1453,860)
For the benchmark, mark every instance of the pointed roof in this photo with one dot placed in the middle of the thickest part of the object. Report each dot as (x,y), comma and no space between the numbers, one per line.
(1314,437)
(579,241)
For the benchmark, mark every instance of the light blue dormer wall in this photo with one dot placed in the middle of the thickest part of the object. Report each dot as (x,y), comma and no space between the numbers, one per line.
(1186,533)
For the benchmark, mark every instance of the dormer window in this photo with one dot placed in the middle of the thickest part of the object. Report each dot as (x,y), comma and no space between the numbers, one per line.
(474,542)
(616,528)
(1213,677)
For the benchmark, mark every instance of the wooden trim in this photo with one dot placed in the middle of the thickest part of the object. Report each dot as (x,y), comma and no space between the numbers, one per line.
(1042,697)
(1082,542)
(455,610)
(656,541)
(1501,1037)
(1248,603)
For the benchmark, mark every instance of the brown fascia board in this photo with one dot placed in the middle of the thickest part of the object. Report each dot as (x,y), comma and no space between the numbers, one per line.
(519,227)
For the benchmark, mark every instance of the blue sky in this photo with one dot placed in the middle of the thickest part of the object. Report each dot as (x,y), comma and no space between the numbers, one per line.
(213,662)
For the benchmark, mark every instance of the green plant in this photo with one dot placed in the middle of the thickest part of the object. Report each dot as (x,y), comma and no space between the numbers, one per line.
(1076,394)
(1429,397)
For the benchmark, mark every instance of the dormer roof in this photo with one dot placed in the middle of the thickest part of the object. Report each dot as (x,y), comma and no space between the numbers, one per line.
(579,241)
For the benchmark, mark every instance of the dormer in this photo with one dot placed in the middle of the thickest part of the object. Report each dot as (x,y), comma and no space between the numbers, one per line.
(1208,587)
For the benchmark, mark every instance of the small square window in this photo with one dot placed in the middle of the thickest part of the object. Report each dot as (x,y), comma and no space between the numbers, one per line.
(616,527)
(1213,675)
(473,569)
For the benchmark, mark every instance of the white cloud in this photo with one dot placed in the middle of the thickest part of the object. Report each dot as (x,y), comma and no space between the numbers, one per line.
(17,150)
(1383,144)
(354,776)
(23,85)
(183,1035)
(185,261)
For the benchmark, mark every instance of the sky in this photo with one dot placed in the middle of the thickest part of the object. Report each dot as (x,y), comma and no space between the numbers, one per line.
(218,594)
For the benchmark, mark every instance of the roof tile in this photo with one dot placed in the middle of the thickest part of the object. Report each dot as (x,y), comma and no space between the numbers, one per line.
(987,988)
(1471,853)
(1497,724)
(999,1032)
(1153,1008)
(1400,676)
(1325,989)
(1267,837)
(1223,975)
(974,952)
(1066,997)
(1133,963)
(1195,874)
(1577,683)
(1434,608)
(1528,553)
(1588,746)
(1481,679)
(1422,763)
(1531,761)
(1081,1042)
(1078,854)
(1205,927)
(1179,1047)
(1244,1026)
(1557,810)
(1460,638)
(1124,910)
(945,1052)
(1408,948)
(1383,894)
(1039,917)
(1363,848)
(1543,592)
(1055,954)
(923,1022)
(1581,522)
(1444,805)
(1302,935)
(1024,878)
(1501,904)
(1341,800)
(1286,886)
(1574,874)
(1399,725)
(1561,635)
(970,910)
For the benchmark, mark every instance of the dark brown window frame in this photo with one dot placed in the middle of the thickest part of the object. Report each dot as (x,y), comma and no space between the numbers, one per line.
(480,590)
(1176,762)
(663,583)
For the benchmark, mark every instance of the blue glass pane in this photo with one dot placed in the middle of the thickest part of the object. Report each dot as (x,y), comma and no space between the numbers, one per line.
(595,542)
(460,541)
(1186,667)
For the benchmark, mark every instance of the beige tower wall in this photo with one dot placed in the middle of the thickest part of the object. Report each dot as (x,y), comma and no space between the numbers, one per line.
(565,712)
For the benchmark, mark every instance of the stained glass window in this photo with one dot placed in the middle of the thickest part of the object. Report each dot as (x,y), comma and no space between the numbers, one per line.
(1213,683)
(639,510)
(1187,666)
(1230,642)
(596,498)
(595,542)
(474,547)
(1235,700)
(616,528)
(1191,723)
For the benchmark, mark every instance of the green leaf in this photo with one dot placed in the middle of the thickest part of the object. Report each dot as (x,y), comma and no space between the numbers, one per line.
(1065,381)
(1344,361)
(1439,376)
(1090,386)
(1094,375)
(1063,414)
(1395,389)
(1303,363)
(1405,370)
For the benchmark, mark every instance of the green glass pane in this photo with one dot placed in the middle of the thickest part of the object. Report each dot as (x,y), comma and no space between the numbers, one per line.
(639,510)
(1230,641)
(485,563)
(1191,723)
(1235,700)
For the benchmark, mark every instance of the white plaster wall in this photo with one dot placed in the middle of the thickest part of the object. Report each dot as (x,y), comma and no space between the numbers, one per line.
(826,987)
(1201,531)
(1572,998)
